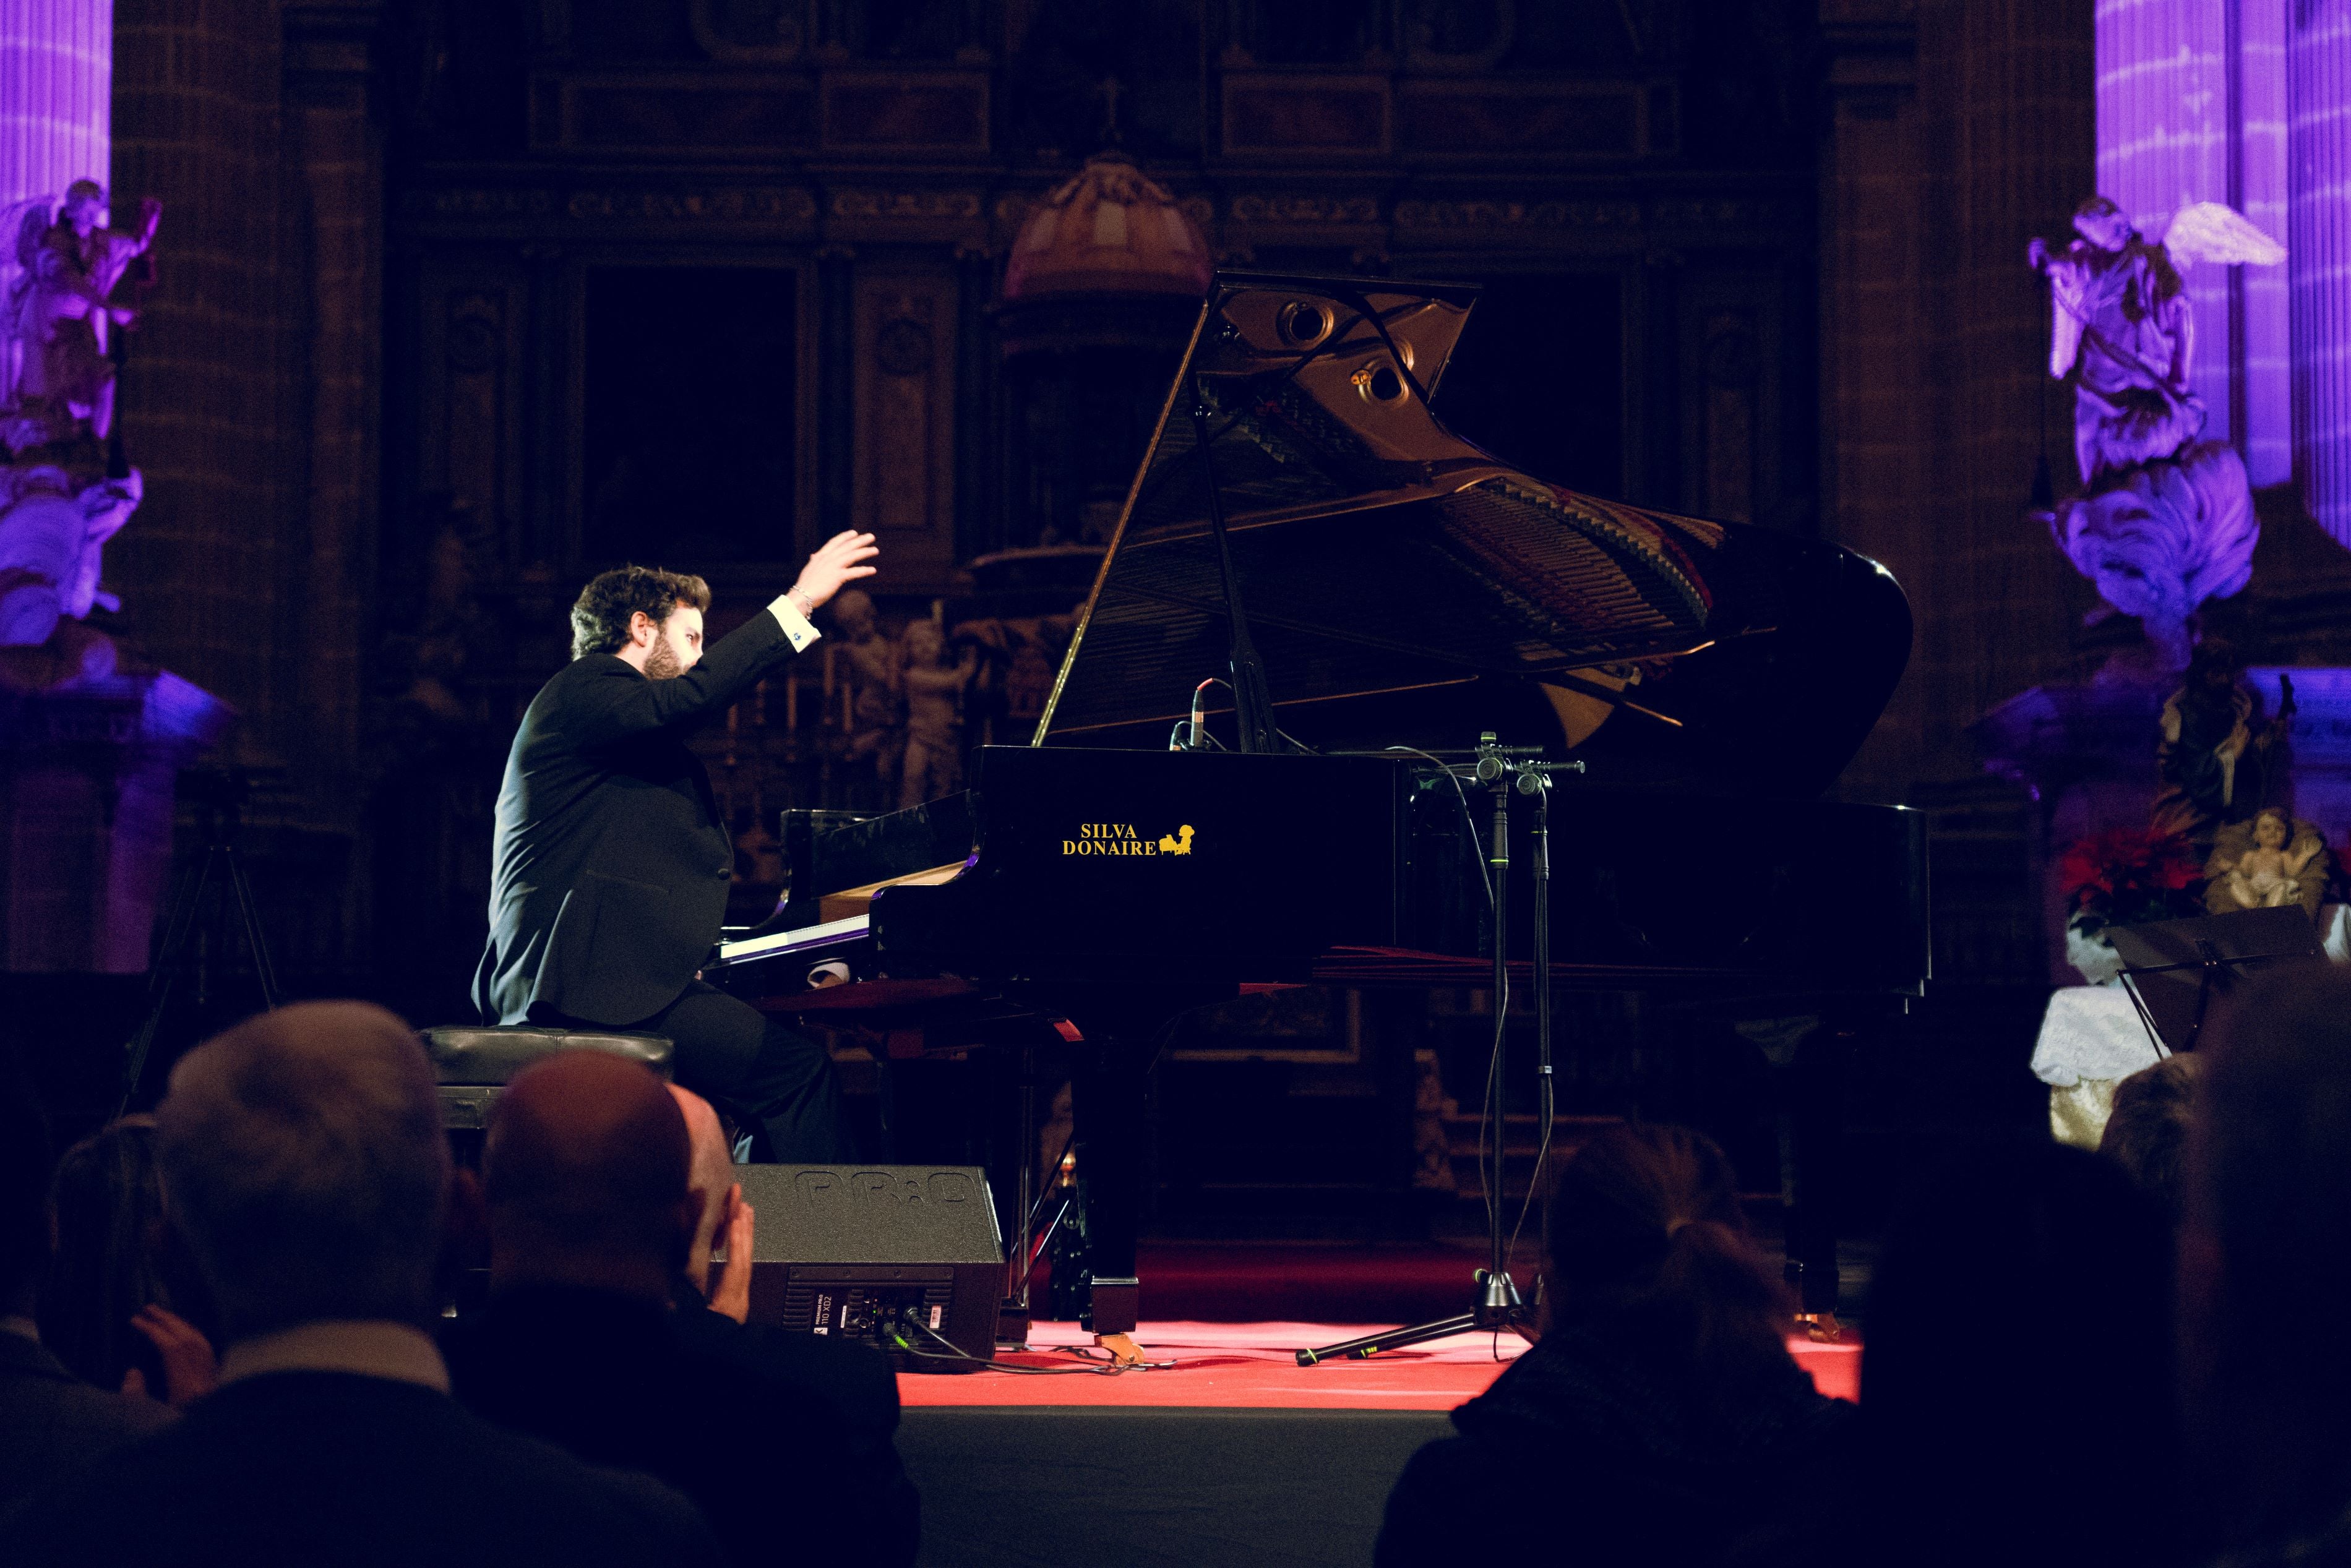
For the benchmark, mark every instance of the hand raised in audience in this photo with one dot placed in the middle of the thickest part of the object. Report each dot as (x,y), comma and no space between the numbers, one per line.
(730,1292)
(190,1370)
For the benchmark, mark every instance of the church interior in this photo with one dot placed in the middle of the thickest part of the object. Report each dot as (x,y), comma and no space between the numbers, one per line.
(420,314)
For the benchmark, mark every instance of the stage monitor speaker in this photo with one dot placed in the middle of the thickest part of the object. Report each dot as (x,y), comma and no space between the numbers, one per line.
(872,1253)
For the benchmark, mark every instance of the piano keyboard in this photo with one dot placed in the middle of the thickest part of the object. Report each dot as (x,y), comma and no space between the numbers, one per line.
(782,943)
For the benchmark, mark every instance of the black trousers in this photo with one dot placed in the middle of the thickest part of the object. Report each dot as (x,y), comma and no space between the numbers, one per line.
(772,1080)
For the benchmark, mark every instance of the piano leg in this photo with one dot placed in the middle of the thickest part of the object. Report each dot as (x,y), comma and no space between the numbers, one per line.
(1815,1112)
(1106,1100)
(1109,1084)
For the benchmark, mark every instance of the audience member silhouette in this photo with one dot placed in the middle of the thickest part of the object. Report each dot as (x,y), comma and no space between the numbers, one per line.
(121,1305)
(2017,1388)
(2148,1132)
(50,1420)
(1659,1419)
(725,1217)
(303,1161)
(787,1447)
(2265,1273)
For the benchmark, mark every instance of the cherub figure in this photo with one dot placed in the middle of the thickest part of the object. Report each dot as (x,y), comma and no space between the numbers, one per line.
(59,312)
(934,692)
(877,736)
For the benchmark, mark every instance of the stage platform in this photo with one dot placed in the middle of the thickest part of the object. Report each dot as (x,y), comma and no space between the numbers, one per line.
(1232,1454)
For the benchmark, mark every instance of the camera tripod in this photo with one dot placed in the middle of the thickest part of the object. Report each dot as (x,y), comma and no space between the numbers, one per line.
(219,795)
(1503,770)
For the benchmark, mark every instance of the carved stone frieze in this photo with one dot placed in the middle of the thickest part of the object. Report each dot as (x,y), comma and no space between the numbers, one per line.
(479,203)
(1722,213)
(759,204)
(1305,209)
(754,205)
(1491,215)
(918,204)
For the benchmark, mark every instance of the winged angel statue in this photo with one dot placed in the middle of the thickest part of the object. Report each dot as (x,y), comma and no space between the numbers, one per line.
(2166,520)
(59,266)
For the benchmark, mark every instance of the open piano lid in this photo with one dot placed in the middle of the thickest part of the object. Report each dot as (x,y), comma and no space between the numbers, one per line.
(1376,551)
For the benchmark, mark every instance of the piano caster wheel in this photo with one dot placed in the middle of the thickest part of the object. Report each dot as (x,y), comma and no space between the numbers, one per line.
(1820,1328)
(1123,1351)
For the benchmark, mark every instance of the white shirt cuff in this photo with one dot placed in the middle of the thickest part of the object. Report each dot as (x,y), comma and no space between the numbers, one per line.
(797,630)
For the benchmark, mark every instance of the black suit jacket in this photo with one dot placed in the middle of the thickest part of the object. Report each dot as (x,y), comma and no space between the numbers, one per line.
(612,864)
(51,1422)
(788,1448)
(305,1468)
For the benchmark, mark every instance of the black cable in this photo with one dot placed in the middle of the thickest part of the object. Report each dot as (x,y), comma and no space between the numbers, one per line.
(956,1353)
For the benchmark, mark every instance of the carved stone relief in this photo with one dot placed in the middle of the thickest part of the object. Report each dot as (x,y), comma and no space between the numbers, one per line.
(905,416)
(468,425)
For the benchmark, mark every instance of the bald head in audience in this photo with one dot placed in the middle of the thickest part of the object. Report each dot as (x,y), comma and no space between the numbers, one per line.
(586,1174)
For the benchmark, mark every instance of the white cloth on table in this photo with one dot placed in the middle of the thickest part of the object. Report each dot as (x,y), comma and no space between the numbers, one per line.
(2090,1032)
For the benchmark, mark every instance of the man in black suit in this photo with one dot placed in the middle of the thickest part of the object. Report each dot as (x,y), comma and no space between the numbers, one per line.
(611,863)
(50,1421)
(304,1163)
(789,1448)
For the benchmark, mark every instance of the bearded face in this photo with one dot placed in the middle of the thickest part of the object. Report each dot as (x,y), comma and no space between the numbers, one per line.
(676,645)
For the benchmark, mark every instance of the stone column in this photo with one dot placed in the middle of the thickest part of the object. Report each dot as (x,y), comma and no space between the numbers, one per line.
(2318,254)
(2191,108)
(57,81)
(2163,139)
(334,256)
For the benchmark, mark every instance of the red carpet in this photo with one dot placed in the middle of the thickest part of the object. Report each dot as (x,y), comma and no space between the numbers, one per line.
(1250,1366)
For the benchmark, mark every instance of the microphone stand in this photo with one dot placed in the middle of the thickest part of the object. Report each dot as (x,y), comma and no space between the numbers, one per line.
(1498,1306)
(1535,780)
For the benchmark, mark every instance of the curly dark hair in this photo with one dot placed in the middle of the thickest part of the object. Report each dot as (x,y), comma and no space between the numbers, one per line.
(600,621)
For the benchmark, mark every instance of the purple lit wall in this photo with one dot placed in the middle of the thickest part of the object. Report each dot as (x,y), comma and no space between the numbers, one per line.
(56,73)
(2191,108)
(2264,346)
(2318,260)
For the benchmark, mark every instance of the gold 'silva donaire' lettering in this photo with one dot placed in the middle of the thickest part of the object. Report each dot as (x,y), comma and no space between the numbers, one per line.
(1110,838)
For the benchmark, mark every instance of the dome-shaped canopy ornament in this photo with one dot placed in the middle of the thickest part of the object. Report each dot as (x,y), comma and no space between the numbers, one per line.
(1109,229)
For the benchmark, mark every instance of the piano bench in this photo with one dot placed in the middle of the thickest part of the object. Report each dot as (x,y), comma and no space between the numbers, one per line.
(471,1063)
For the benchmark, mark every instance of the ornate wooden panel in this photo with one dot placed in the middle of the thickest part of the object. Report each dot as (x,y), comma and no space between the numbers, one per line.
(905,361)
(1287,114)
(468,412)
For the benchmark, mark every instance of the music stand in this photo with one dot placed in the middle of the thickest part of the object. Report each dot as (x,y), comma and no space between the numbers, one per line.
(2173,968)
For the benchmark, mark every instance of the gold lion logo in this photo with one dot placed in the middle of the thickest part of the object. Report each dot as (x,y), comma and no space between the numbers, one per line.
(1179,842)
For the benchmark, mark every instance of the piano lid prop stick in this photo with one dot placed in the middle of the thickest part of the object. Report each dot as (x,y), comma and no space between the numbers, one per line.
(1252,701)
(1610,695)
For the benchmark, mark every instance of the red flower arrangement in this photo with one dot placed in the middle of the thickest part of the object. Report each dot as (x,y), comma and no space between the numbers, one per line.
(2129,876)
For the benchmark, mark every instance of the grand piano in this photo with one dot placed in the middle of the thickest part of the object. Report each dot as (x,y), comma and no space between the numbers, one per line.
(1404,593)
